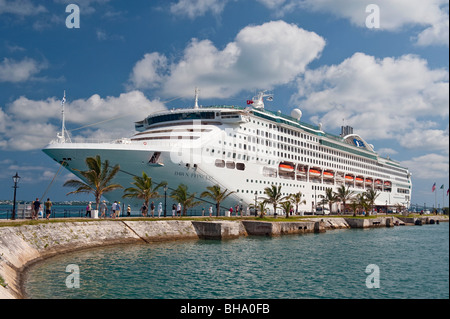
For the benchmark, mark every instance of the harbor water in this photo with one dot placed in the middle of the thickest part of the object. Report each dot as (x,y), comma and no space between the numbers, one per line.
(410,261)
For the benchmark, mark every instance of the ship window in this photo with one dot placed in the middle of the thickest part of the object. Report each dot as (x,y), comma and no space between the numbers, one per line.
(220,163)
(231,165)
(240,166)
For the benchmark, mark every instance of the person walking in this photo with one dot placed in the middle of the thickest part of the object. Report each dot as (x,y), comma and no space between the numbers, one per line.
(152,209)
(174,210)
(48,208)
(210,211)
(88,209)
(103,209)
(128,211)
(179,209)
(144,209)
(159,209)
(35,209)
(114,209)
(118,210)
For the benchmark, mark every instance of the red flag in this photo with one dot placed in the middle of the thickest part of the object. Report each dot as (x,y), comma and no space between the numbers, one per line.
(434,187)
(448,189)
(249,102)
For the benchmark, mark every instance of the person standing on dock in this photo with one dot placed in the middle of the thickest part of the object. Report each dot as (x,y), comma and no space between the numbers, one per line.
(174,210)
(179,209)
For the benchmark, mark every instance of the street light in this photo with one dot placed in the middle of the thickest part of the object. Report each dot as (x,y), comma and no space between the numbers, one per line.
(165,200)
(16,179)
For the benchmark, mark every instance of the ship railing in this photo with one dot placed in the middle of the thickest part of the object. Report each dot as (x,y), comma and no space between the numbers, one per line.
(95,141)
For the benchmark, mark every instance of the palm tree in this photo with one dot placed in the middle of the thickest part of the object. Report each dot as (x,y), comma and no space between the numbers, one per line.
(330,198)
(344,194)
(144,188)
(354,206)
(182,196)
(371,196)
(274,196)
(217,195)
(98,178)
(297,199)
(287,206)
(359,202)
(261,206)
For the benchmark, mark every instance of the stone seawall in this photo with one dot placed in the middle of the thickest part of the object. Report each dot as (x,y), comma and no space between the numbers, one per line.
(21,246)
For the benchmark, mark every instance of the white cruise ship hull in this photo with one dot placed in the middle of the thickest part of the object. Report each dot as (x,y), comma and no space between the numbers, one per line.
(244,151)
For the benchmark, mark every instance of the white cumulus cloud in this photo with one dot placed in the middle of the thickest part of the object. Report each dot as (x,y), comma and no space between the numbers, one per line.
(196,8)
(19,71)
(380,98)
(27,124)
(261,56)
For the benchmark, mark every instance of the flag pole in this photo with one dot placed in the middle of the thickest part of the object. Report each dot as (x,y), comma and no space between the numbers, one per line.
(63,119)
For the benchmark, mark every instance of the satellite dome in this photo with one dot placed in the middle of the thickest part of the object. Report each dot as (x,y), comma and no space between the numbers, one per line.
(296,114)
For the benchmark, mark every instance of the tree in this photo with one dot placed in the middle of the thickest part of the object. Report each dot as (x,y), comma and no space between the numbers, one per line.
(344,195)
(144,188)
(98,179)
(216,194)
(273,196)
(330,198)
(359,201)
(371,195)
(261,206)
(181,195)
(286,206)
(297,199)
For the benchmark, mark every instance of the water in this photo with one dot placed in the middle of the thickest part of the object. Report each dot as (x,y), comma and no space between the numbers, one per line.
(413,262)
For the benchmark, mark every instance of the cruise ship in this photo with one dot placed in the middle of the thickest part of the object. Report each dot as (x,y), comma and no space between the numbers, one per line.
(243,149)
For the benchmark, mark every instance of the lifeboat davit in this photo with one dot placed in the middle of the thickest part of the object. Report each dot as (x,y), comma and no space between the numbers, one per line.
(301,170)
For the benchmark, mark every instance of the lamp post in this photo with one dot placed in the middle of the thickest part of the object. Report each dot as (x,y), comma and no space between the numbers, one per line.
(256,207)
(165,200)
(16,179)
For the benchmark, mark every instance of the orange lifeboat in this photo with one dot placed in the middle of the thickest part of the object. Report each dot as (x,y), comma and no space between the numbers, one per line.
(387,183)
(328,175)
(359,179)
(349,178)
(314,172)
(286,167)
(368,181)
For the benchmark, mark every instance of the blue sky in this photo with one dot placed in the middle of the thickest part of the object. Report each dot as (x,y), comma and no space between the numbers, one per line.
(129,57)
